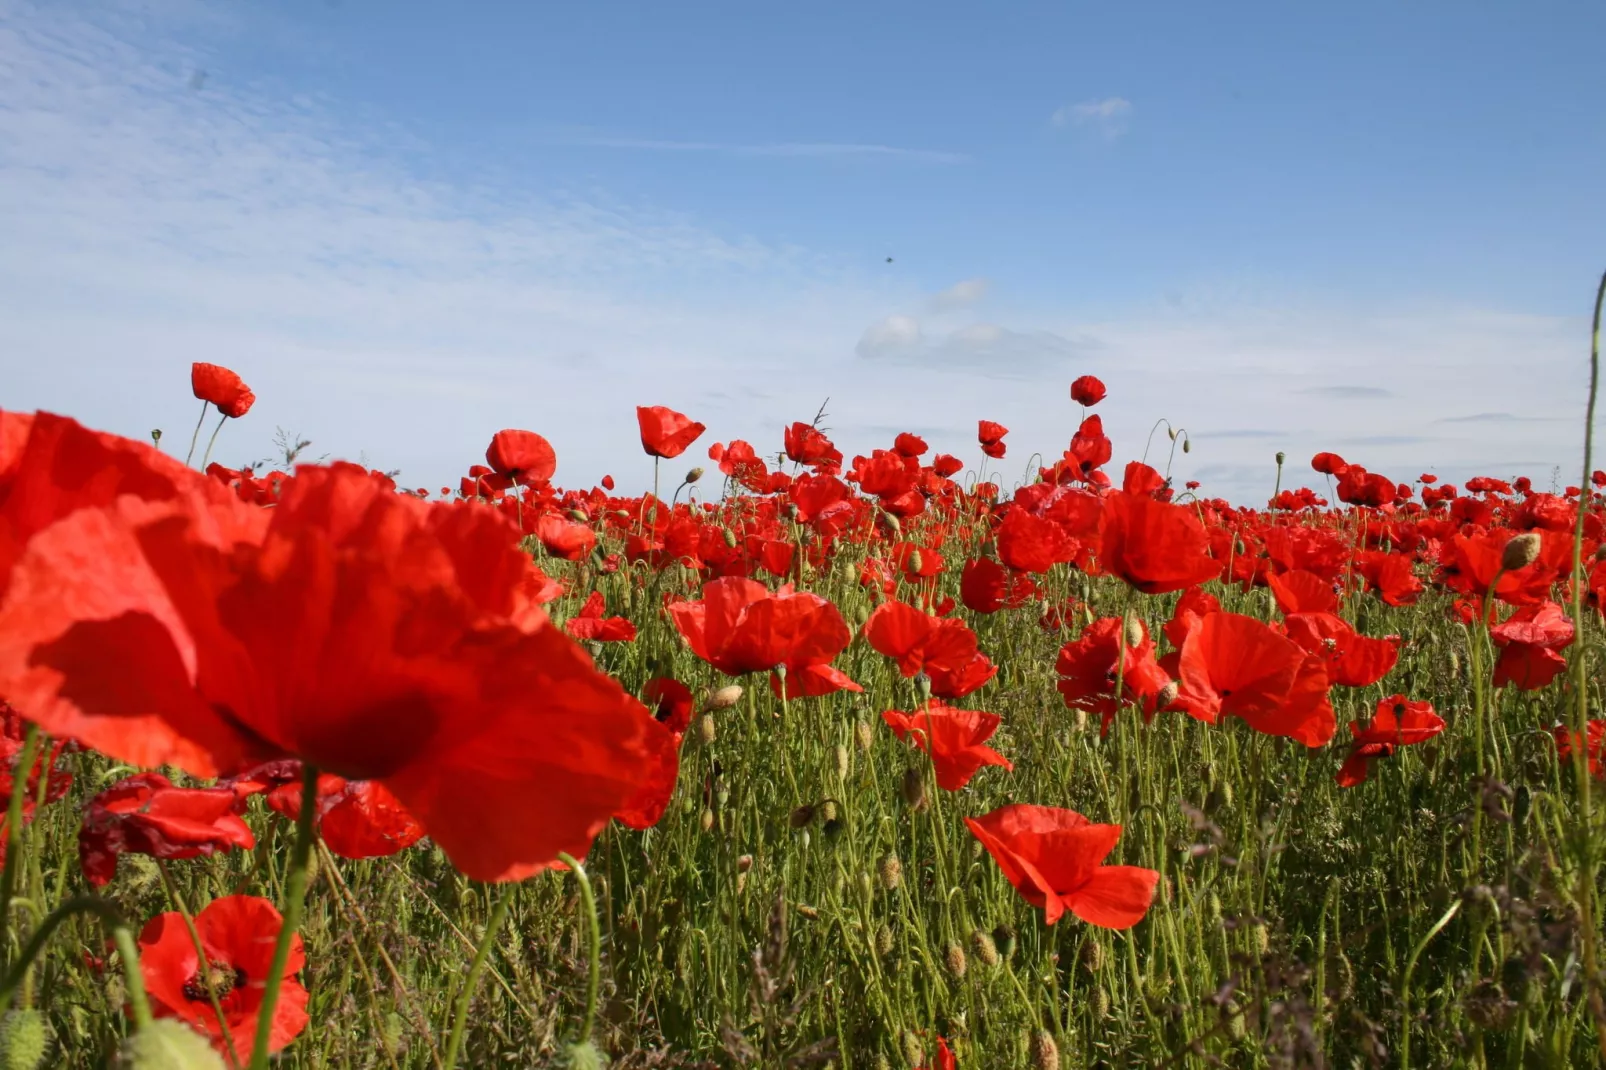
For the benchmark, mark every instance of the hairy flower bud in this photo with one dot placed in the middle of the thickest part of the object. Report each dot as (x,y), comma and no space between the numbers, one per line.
(730,538)
(1045,1052)
(913,562)
(801,817)
(586,1057)
(986,950)
(706,729)
(923,686)
(724,698)
(694,475)
(25,1039)
(1521,551)
(1167,695)
(890,871)
(864,735)
(1092,956)
(167,1044)
(1134,631)
(844,761)
(953,957)
(914,789)
(1004,937)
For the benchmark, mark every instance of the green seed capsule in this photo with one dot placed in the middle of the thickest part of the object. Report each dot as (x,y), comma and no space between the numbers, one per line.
(25,1039)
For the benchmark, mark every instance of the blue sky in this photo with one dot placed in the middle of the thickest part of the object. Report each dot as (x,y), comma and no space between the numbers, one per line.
(407,225)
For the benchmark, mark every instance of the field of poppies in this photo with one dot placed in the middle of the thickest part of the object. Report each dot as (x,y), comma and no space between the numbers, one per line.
(801,760)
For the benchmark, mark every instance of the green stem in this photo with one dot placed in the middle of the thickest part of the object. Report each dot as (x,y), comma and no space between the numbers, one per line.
(122,937)
(299,856)
(595,933)
(196,437)
(213,440)
(206,966)
(1405,982)
(454,1043)
(13,830)
(1586,872)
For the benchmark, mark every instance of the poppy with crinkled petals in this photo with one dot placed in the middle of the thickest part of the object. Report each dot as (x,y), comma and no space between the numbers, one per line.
(985,586)
(955,739)
(917,640)
(1351,659)
(238,934)
(957,682)
(665,432)
(1095,666)
(217,385)
(1529,641)
(1232,664)
(145,814)
(1055,860)
(807,444)
(565,538)
(991,436)
(375,635)
(1153,545)
(1329,464)
(1087,390)
(1028,543)
(740,627)
(1595,734)
(1397,722)
(522,456)
(355,818)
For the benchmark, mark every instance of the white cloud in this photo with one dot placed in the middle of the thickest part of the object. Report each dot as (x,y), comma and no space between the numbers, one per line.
(889,337)
(960,295)
(1109,116)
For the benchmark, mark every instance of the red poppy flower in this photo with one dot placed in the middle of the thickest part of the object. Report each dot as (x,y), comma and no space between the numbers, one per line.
(985,586)
(565,538)
(1328,464)
(945,1058)
(1351,659)
(1299,591)
(238,933)
(909,445)
(1528,642)
(1153,545)
(1566,739)
(375,635)
(522,456)
(956,683)
(355,818)
(1194,605)
(739,627)
(918,640)
(954,738)
(646,807)
(1087,390)
(991,436)
(13,733)
(1232,664)
(216,385)
(1094,666)
(589,623)
(145,814)
(946,464)
(1054,858)
(806,444)
(1029,543)
(671,702)
(665,432)
(1398,722)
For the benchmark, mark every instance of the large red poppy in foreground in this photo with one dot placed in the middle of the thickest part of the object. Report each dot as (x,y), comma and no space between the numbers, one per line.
(377,636)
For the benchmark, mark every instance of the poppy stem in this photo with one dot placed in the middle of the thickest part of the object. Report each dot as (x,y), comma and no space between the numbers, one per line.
(1581,771)
(1405,982)
(13,827)
(196,437)
(122,937)
(454,1043)
(300,855)
(594,949)
(213,440)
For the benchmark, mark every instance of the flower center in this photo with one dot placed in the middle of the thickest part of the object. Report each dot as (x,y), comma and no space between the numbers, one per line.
(223,977)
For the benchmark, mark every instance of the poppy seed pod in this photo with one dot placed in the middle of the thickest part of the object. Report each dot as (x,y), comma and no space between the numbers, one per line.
(156,437)
(694,475)
(724,698)
(167,1044)
(1045,1052)
(25,1040)
(1281,457)
(1521,551)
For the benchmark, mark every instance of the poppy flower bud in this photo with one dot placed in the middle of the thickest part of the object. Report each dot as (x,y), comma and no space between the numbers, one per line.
(828,810)
(890,871)
(891,523)
(1100,1002)
(1004,937)
(706,731)
(864,735)
(1281,457)
(953,957)
(1092,956)
(1134,631)
(724,698)
(730,538)
(1232,1016)
(694,475)
(1167,695)
(1045,1052)
(913,562)
(986,949)
(1521,551)
(1187,445)
(913,1050)
(914,789)
(801,817)
(923,686)
(586,1057)
(166,1044)
(707,820)
(744,863)
(25,1040)
(843,761)
(883,940)
(1260,936)
(578,516)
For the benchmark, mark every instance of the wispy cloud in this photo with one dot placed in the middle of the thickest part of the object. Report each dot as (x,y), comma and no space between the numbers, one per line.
(1495,418)
(1109,116)
(960,295)
(1346,393)
(816,149)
